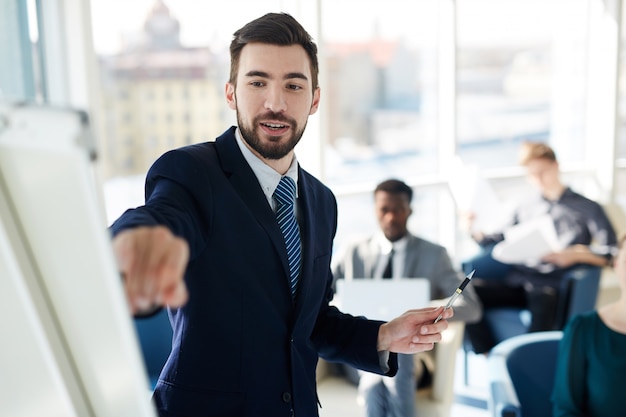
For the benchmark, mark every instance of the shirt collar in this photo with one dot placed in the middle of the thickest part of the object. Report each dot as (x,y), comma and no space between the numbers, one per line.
(386,246)
(268,178)
(567,192)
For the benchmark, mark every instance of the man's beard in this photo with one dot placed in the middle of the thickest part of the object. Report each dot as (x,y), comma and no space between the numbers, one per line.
(273,149)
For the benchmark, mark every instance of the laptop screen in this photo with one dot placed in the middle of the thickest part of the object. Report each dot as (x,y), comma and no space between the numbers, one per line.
(379,299)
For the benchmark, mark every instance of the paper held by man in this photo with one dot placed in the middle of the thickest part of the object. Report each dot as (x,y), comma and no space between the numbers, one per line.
(526,243)
(473,194)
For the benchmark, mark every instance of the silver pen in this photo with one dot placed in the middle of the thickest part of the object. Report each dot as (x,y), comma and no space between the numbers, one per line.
(456,294)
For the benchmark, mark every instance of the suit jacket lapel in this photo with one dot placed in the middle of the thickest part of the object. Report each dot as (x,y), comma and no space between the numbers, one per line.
(374,258)
(243,180)
(411,262)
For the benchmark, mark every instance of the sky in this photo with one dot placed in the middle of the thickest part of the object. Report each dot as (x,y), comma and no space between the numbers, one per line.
(207,22)
(200,24)
(203,22)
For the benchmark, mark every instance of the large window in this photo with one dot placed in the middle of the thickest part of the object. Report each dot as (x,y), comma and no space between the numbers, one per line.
(380,102)
(18,80)
(407,87)
(381,93)
(521,76)
(162,69)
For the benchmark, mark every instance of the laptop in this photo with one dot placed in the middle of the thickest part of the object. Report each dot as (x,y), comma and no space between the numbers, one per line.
(381,299)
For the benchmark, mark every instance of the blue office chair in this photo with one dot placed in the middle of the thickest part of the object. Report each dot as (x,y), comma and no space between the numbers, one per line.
(577,294)
(521,375)
(155,339)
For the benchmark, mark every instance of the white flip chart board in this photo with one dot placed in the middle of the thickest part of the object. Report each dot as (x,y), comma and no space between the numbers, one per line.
(68,345)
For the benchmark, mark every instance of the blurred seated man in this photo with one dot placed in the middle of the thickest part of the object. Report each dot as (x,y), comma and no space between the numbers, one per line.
(582,229)
(394,253)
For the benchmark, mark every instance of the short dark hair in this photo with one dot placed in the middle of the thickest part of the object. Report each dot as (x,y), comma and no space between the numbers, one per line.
(275,29)
(394,186)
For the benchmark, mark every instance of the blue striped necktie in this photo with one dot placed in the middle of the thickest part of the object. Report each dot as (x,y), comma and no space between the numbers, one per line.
(285,196)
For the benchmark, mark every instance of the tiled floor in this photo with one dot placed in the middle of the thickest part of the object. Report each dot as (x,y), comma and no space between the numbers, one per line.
(338,397)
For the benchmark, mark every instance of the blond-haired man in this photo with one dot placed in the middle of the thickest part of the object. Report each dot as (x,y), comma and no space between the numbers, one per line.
(583,230)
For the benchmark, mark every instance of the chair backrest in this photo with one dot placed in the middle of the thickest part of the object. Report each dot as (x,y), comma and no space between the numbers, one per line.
(155,339)
(580,289)
(521,374)
(578,293)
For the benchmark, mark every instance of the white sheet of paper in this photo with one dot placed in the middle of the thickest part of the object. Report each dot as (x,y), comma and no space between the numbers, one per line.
(527,242)
(473,194)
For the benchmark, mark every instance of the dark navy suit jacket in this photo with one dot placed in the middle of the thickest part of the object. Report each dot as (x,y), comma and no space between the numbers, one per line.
(242,346)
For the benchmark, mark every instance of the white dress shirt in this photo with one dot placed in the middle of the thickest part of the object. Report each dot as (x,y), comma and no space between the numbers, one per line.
(266,175)
(384,252)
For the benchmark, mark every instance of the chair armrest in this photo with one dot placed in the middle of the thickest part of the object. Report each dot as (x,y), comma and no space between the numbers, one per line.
(503,401)
(529,359)
(579,290)
(445,362)
(503,405)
